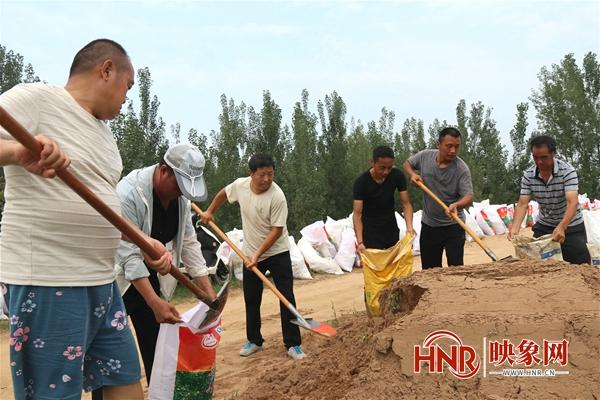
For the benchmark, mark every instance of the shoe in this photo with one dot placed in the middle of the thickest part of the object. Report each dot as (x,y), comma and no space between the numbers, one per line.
(296,353)
(250,348)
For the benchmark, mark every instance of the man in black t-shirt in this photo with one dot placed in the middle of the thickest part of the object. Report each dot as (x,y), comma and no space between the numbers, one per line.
(374,220)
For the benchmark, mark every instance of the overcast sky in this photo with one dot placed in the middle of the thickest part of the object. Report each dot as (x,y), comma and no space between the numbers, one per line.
(415,58)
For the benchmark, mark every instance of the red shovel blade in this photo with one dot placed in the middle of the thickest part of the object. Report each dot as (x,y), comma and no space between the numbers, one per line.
(315,326)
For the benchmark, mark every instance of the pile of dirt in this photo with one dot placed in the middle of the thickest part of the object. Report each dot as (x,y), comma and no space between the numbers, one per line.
(535,301)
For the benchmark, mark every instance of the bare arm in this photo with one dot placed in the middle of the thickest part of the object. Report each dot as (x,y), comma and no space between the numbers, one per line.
(410,171)
(464,202)
(271,238)
(408,212)
(51,159)
(559,232)
(357,209)
(163,311)
(520,213)
(217,202)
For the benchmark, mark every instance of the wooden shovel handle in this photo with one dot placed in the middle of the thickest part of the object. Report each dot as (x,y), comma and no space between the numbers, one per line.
(459,221)
(129,230)
(244,258)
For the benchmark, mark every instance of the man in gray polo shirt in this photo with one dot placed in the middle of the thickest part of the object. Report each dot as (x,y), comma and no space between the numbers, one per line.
(449,177)
(554,185)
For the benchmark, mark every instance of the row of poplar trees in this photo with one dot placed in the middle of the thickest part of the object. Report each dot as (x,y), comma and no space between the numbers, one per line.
(319,154)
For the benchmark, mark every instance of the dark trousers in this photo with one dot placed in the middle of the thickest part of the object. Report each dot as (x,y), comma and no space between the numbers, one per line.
(574,249)
(434,240)
(280,266)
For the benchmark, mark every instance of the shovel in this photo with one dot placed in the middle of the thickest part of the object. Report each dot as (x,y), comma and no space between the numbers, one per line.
(306,323)
(459,221)
(125,227)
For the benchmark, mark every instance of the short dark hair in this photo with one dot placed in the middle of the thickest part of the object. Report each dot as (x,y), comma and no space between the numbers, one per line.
(95,52)
(164,162)
(382,152)
(543,140)
(260,160)
(450,130)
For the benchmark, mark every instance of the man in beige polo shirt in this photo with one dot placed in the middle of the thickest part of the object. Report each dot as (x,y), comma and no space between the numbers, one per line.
(68,326)
(264,213)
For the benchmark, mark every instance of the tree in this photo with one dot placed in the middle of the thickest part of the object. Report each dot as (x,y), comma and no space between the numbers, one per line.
(306,198)
(487,158)
(229,144)
(141,140)
(333,153)
(520,157)
(11,74)
(360,149)
(433,132)
(266,135)
(176,132)
(567,103)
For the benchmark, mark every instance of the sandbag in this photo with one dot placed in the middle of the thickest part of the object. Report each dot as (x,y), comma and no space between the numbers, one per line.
(314,233)
(346,255)
(505,215)
(381,267)
(401,225)
(542,248)
(184,365)
(472,224)
(485,227)
(334,229)
(416,246)
(229,257)
(315,262)
(299,268)
(591,219)
(494,220)
(594,250)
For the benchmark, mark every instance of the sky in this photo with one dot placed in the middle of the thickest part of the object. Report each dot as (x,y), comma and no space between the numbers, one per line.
(415,58)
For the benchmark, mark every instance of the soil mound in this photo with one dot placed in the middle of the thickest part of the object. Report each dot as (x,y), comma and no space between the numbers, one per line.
(503,302)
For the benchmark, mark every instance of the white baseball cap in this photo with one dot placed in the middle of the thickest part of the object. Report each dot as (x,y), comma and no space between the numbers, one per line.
(187,163)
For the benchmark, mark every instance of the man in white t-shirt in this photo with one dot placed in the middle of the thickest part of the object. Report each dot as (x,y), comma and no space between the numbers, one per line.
(68,327)
(264,213)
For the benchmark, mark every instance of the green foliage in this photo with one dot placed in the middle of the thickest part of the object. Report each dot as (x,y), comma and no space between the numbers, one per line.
(333,151)
(12,72)
(306,201)
(319,155)
(521,158)
(568,107)
(140,135)
(486,156)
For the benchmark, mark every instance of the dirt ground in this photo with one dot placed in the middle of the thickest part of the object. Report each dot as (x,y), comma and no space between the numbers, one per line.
(368,360)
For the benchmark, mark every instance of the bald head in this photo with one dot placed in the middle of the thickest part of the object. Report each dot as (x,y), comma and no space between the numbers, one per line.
(95,53)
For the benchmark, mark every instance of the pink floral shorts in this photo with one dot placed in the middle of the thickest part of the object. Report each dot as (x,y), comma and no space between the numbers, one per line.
(65,339)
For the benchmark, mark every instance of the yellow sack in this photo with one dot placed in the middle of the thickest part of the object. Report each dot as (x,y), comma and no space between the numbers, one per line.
(380,267)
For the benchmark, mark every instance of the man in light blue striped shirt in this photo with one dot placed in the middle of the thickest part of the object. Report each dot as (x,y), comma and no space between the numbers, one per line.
(554,185)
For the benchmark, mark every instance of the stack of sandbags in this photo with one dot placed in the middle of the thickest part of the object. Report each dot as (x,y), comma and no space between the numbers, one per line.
(299,268)
(318,250)
(341,233)
(472,223)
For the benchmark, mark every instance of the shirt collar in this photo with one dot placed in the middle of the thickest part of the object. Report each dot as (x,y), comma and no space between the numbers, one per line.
(554,170)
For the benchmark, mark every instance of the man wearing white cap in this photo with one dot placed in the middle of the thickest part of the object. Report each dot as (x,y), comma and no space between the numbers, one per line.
(157,200)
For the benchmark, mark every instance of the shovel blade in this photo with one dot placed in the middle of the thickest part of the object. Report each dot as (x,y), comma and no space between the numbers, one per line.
(315,327)
(213,315)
